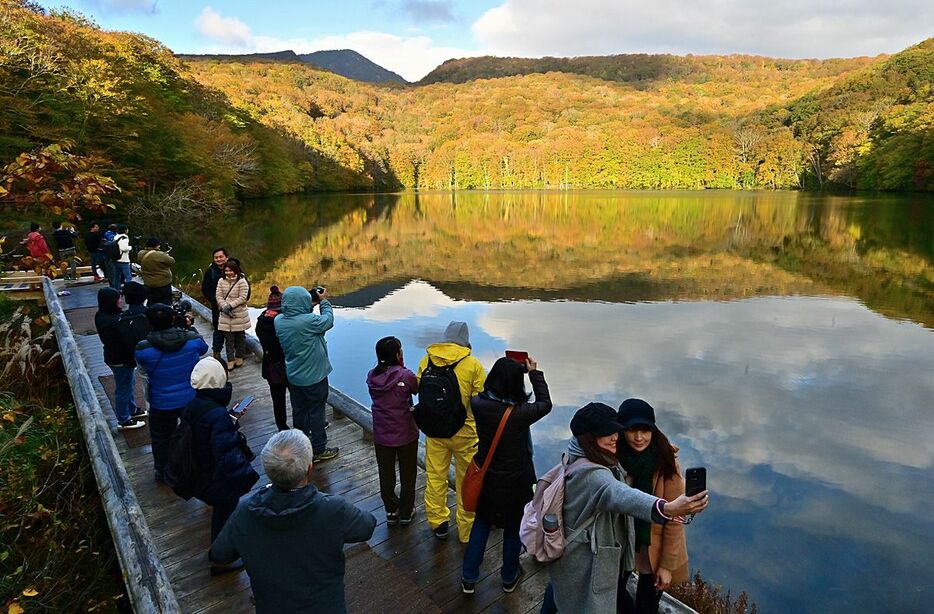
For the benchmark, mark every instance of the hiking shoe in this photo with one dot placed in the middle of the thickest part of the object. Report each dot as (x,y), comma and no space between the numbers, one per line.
(511,586)
(441,531)
(217,570)
(325,454)
(407,521)
(139,413)
(392,518)
(130,424)
(468,587)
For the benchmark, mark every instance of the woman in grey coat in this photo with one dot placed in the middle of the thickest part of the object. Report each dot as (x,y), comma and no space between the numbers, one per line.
(585,579)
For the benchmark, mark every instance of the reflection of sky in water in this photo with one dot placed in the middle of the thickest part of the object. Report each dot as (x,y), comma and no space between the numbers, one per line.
(812,415)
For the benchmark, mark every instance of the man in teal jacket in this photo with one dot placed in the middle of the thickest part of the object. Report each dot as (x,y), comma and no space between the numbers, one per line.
(301,334)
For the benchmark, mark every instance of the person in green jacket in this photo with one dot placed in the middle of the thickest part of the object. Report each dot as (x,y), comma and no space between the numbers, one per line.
(301,334)
(156,271)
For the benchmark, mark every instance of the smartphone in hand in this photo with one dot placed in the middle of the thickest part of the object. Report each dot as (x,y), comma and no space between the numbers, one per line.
(695,480)
(520,357)
(237,410)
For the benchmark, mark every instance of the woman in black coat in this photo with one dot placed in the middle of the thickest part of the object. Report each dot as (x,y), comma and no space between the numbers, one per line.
(273,358)
(510,477)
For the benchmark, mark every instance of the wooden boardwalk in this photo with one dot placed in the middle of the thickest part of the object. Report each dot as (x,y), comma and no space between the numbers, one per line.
(400,569)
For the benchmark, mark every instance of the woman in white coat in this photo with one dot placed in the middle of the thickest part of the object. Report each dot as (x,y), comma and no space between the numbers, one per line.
(233,291)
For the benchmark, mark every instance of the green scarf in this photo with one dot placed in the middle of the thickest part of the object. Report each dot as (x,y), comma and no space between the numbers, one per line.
(641,466)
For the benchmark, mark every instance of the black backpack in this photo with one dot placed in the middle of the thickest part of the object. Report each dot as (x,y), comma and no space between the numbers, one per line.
(182,471)
(440,412)
(111,250)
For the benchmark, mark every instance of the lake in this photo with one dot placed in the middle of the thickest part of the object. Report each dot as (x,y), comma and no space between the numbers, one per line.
(786,341)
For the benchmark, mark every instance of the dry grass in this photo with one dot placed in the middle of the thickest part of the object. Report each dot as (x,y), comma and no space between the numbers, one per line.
(707,598)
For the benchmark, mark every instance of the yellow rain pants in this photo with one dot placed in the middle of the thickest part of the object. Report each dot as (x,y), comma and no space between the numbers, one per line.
(438,453)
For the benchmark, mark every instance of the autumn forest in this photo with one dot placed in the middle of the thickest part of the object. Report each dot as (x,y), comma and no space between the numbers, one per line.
(160,133)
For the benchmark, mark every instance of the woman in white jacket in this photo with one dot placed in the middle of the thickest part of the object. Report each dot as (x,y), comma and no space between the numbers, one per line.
(233,290)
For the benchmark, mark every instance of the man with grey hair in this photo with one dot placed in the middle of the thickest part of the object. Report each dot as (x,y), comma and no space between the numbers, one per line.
(291,536)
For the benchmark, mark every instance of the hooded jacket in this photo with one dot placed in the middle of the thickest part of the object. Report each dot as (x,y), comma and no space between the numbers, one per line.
(155,267)
(507,486)
(168,357)
(292,544)
(301,334)
(470,373)
(209,284)
(105,321)
(391,392)
(585,577)
(214,435)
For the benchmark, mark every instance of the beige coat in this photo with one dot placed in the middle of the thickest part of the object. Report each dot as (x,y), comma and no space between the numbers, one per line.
(233,293)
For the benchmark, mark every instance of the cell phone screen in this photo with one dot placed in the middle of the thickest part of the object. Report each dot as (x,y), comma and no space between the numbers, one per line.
(519,357)
(240,407)
(695,480)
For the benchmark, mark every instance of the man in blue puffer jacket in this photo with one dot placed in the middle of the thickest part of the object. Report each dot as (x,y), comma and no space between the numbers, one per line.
(167,355)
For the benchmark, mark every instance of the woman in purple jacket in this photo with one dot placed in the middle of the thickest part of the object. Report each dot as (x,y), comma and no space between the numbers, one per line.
(395,435)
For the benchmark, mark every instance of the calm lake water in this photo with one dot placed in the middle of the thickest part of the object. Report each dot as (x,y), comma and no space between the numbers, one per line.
(784,339)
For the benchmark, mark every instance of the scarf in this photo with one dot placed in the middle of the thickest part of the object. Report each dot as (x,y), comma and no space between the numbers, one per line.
(641,466)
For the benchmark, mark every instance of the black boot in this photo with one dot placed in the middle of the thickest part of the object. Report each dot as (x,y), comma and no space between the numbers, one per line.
(647,596)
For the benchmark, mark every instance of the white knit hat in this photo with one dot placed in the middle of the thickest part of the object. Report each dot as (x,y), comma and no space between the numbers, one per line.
(208,373)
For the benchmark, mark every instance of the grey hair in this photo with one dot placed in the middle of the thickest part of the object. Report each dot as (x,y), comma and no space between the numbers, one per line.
(286,457)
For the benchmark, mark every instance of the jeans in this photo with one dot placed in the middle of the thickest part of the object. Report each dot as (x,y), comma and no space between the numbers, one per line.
(217,340)
(236,345)
(473,555)
(124,392)
(277,392)
(386,457)
(98,261)
(122,274)
(308,404)
(548,605)
(647,596)
(69,254)
(162,423)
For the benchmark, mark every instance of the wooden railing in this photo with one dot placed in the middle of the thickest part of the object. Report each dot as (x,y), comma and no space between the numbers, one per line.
(147,583)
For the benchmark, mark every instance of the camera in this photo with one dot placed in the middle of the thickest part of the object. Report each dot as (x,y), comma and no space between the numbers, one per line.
(182,319)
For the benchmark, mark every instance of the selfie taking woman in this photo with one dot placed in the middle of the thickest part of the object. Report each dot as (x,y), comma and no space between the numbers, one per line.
(651,466)
(510,476)
(586,578)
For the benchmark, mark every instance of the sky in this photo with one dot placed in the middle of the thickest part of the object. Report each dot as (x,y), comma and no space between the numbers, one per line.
(411,37)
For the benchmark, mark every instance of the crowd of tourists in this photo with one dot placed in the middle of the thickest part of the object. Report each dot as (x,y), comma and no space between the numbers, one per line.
(615,505)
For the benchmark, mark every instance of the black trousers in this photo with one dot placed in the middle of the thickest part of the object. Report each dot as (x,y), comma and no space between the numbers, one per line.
(386,458)
(162,295)
(217,340)
(220,512)
(162,423)
(277,392)
(647,596)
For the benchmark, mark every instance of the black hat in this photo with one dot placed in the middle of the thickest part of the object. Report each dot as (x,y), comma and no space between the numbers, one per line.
(152,242)
(595,418)
(134,293)
(635,411)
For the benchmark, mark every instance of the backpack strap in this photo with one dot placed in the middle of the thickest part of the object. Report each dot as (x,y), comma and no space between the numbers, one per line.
(586,525)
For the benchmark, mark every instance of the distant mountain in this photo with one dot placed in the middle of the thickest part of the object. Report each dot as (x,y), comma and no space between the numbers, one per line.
(633,68)
(274,56)
(352,65)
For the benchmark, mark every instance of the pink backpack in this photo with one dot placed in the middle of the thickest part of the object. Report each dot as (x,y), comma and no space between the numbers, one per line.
(541,545)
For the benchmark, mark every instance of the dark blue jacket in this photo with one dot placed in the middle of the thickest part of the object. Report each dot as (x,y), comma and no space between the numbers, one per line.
(292,544)
(216,444)
(168,357)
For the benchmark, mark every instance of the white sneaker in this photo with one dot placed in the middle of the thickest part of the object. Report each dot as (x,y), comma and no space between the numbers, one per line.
(131,424)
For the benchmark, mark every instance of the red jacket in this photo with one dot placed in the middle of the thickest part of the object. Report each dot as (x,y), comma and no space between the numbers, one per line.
(37,246)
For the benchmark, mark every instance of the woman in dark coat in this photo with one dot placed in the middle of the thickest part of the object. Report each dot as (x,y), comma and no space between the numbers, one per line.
(510,477)
(216,446)
(273,358)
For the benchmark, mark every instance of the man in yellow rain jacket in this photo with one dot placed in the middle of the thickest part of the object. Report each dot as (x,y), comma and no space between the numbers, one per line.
(463,445)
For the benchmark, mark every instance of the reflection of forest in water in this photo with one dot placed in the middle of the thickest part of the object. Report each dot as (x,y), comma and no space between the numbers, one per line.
(609,246)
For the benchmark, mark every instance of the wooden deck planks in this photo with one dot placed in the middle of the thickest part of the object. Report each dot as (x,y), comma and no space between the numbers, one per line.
(181,529)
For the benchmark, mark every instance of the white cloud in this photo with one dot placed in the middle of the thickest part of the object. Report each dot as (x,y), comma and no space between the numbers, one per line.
(785,28)
(410,56)
(224,30)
